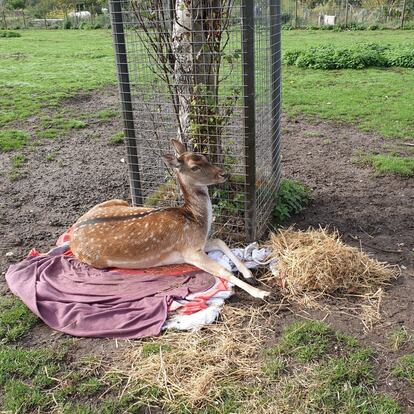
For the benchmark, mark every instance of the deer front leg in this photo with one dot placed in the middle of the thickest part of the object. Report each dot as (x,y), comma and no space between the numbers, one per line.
(217,244)
(201,260)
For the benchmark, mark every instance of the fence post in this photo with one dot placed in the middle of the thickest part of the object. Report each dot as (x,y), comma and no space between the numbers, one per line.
(346,12)
(126,100)
(275,44)
(296,14)
(4,19)
(249,115)
(403,14)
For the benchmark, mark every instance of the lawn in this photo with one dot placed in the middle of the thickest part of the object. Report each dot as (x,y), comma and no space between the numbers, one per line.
(40,68)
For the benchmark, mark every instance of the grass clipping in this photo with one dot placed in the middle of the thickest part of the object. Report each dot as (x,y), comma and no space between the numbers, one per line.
(316,263)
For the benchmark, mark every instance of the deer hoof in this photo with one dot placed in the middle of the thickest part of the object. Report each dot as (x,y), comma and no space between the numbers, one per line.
(262,294)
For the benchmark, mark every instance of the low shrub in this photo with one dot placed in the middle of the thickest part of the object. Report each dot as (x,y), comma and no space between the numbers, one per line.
(292,198)
(403,57)
(9,33)
(67,24)
(360,56)
(101,21)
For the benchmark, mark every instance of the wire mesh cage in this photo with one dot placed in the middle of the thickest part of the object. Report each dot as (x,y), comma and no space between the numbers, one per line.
(206,72)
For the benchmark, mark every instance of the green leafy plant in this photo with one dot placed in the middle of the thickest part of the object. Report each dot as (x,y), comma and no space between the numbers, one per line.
(9,33)
(359,56)
(292,197)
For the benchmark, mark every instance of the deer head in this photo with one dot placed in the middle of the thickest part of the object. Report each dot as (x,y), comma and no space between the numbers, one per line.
(193,169)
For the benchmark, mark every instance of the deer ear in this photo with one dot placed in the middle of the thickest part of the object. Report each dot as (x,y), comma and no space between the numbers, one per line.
(171,160)
(178,146)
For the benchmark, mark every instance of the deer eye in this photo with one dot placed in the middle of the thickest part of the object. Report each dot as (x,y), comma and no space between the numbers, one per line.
(195,168)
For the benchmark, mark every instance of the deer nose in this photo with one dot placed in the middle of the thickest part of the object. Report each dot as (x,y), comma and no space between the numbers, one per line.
(223,174)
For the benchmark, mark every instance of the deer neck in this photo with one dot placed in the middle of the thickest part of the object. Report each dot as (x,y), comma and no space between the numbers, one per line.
(197,202)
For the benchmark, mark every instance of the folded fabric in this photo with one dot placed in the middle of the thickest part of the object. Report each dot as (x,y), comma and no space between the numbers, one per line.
(77,299)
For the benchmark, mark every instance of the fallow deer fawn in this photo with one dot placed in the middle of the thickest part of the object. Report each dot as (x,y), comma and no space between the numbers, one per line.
(114,234)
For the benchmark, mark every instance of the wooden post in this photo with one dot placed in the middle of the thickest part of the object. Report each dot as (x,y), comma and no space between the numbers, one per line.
(346,12)
(403,13)
(296,14)
(24,19)
(4,20)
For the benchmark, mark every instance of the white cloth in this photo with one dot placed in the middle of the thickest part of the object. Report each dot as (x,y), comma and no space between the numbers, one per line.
(252,257)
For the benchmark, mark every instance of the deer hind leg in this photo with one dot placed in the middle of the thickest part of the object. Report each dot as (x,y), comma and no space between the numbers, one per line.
(201,260)
(217,244)
(113,203)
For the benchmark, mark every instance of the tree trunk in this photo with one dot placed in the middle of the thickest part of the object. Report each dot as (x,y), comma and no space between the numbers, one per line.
(24,19)
(183,67)
(196,42)
(403,14)
(206,40)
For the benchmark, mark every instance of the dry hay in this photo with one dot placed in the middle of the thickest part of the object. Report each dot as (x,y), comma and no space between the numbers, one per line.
(316,263)
(191,369)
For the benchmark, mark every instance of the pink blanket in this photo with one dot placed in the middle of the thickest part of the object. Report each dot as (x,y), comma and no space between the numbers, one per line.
(74,298)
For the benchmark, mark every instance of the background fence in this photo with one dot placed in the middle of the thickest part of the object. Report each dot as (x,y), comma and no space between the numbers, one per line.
(26,19)
(295,14)
(363,13)
(207,72)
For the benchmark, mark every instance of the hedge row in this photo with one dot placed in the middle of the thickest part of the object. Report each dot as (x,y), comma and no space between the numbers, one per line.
(9,33)
(357,57)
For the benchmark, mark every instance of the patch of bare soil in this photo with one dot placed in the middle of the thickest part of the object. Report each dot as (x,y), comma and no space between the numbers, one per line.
(374,212)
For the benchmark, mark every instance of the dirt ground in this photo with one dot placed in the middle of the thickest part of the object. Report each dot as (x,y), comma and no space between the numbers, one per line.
(374,212)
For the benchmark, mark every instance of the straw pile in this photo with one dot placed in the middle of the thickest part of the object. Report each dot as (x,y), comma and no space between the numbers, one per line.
(317,263)
(190,370)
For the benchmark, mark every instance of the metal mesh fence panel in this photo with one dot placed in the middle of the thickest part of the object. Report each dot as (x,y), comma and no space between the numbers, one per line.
(347,13)
(206,72)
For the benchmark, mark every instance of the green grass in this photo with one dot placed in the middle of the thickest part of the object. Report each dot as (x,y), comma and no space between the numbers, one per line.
(35,380)
(305,341)
(12,139)
(320,370)
(399,338)
(390,164)
(16,319)
(18,160)
(117,139)
(107,114)
(59,64)
(372,99)
(151,348)
(404,368)
(60,123)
